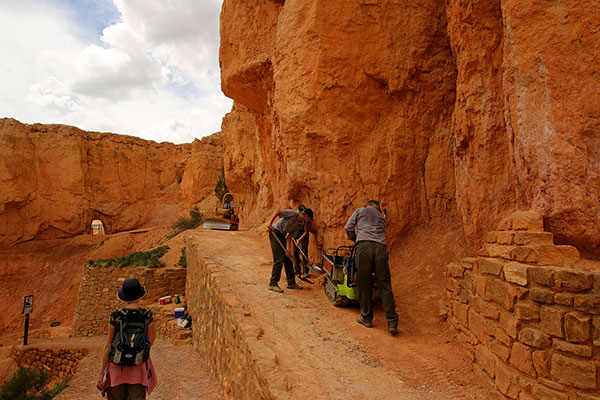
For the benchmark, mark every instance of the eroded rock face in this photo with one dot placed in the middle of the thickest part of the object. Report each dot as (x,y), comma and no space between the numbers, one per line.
(56,179)
(244,165)
(351,101)
(552,82)
(452,113)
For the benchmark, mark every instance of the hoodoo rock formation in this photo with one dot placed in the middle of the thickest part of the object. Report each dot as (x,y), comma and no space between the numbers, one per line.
(56,179)
(451,113)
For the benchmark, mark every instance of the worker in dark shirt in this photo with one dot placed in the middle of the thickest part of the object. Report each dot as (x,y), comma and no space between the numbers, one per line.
(280,236)
(300,262)
(366,227)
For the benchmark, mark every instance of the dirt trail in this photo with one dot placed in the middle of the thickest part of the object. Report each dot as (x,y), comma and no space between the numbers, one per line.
(182,374)
(321,349)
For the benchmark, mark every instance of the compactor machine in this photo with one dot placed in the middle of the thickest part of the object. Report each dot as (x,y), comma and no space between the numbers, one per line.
(341,283)
(339,265)
(226,218)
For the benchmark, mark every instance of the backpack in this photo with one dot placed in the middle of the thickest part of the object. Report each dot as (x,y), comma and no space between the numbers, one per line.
(130,345)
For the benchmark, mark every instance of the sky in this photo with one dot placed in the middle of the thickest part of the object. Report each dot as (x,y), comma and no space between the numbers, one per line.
(146,68)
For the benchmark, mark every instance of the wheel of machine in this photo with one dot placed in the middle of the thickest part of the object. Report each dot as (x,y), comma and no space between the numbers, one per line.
(341,301)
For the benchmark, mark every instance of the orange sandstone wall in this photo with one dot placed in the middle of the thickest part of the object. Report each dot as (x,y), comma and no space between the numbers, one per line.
(351,101)
(452,113)
(55,179)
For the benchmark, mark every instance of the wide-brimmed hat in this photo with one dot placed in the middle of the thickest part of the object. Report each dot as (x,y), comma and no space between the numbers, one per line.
(131,290)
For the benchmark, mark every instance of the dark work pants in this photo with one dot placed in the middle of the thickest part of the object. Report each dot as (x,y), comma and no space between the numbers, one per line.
(371,258)
(299,260)
(280,259)
(127,392)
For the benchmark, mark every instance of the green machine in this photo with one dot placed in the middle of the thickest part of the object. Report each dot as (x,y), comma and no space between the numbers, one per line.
(340,283)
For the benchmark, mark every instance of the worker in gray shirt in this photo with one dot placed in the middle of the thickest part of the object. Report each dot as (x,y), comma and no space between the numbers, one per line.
(280,236)
(366,227)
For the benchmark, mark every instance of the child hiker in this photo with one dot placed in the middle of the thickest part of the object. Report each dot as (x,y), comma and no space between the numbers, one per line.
(127,371)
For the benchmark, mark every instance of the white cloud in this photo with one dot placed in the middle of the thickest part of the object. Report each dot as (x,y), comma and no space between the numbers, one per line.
(53,94)
(153,73)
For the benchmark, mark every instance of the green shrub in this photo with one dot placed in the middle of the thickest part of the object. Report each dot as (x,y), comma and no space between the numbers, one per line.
(149,259)
(183,224)
(221,188)
(30,384)
(183,259)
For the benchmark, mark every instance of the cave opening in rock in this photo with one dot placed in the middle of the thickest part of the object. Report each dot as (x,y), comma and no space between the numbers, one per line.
(97,227)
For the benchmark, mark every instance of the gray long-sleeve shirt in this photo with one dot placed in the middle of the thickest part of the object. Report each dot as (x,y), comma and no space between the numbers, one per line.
(289,222)
(369,223)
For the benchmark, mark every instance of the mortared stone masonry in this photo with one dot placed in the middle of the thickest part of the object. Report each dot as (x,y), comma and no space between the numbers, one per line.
(230,343)
(98,294)
(528,319)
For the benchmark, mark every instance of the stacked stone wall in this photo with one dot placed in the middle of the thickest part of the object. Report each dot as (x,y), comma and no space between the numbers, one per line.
(60,363)
(224,335)
(98,293)
(529,319)
(166,324)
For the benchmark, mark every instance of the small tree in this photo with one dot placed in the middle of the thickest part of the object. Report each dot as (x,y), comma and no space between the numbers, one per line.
(195,219)
(221,188)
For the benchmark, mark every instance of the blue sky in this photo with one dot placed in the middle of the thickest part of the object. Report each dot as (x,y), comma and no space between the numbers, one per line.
(136,67)
(91,16)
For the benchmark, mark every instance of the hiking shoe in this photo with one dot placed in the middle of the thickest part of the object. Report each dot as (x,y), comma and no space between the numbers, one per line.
(275,288)
(363,321)
(393,329)
(294,286)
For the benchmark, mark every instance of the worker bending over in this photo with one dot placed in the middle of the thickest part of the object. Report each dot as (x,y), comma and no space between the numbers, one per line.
(366,227)
(280,236)
(300,262)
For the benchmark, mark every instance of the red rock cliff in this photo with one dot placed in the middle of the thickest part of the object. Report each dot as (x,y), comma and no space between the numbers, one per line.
(55,179)
(451,113)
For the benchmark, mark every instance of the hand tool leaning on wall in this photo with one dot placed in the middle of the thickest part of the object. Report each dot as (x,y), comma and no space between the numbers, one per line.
(285,250)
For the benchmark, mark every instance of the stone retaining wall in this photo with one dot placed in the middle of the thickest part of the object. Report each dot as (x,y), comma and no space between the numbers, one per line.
(166,323)
(530,321)
(227,339)
(98,293)
(60,363)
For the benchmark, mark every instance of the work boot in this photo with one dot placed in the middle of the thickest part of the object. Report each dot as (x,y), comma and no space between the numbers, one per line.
(393,328)
(294,286)
(275,288)
(363,321)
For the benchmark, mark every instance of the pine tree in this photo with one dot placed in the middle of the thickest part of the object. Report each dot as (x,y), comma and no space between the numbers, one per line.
(221,188)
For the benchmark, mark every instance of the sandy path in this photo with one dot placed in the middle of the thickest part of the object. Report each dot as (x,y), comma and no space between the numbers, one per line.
(323,351)
(182,374)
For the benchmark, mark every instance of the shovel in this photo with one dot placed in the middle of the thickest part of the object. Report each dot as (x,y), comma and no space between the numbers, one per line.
(311,266)
(284,249)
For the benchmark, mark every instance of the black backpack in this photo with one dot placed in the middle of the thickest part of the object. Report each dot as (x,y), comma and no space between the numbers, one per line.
(130,345)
